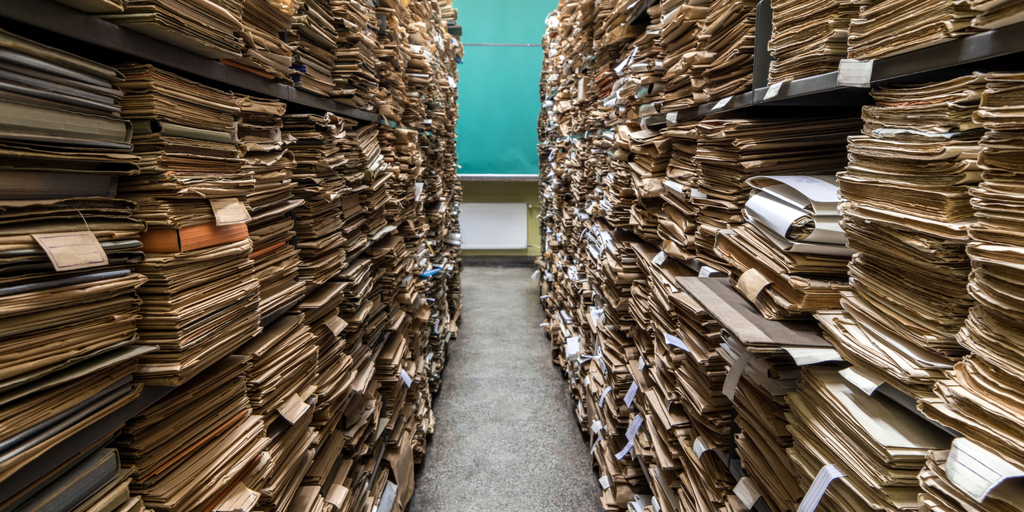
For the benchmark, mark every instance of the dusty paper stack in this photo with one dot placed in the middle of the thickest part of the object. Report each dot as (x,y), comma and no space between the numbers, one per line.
(727,38)
(681,25)
(677,224)
(355,82)
(201,300)
(906,214)
(763,359)
(809,39)
(790,258)
(198,26)
(280,384)
(201,447)
(993,14)
(313,40)
(890,27)
(96,6)
(318,222)
(731,151)
(271,203)
(266,53)
(649,154)
(867,450)
(980,395)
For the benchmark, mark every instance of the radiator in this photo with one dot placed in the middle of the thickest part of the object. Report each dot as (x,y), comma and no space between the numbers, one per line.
(494,225)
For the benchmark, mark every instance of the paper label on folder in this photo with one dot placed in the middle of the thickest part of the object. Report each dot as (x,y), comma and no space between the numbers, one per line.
(862,380)
(732,380)
(699,447)
(818,487)
(419,191)
(641,364)
(631,394)
(337,496)
(229,211)
(673,117)
(293,408)
(853,73)
(773,91)
(626,450)
(72,251)
(722,103)
(605,482)
(634,427)
(406,378)
(600,403)
(977,471)
(748,493)
(659,260)
(675,342)
(241,499)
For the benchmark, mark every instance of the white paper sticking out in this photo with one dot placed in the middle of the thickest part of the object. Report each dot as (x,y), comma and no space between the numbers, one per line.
(535,274)
(818,487)
(675,342)
(600,403)
(863,380)
(773,90)
(641,364)
(853,73)
(732,380)
(625,451)
(634,427)
(978,472)
(605,482)
(572,348)
(596,426)
(747,491)
(806,356)
(699,446)
(722,103)
(659,260)
(631,394)
(406,379)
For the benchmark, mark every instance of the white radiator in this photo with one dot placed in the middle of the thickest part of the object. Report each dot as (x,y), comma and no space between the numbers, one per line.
(494,225)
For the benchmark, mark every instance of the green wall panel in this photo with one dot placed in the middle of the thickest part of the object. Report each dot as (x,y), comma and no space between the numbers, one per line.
(498,98)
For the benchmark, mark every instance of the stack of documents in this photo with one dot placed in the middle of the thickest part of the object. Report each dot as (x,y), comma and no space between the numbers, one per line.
(981,397)
(312,40)
(790,259)
(809,38)
(266,53)
(96,6)
(681,24)
(995,14)
(867,449)
(727,37)
(677,224)
(884,29)
(650,153)
(280,384)
(731,151)
(200,447)
(906,214)
(195,25)
(318,221)
(271,203)
(353,71)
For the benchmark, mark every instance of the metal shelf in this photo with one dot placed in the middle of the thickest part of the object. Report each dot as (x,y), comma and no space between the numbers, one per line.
(71,446)
(65,21)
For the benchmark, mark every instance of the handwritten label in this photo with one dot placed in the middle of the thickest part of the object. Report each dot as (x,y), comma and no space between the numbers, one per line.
(673,117)
(406,378)
(241,499)
(572,348)
(818,487)
(659,260)
(229,211)
(977,471)
(853,73)
(72,251)
(631,394)
(605,482)
(773,90)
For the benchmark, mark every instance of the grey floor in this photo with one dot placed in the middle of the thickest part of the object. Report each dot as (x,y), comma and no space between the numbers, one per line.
(506,438)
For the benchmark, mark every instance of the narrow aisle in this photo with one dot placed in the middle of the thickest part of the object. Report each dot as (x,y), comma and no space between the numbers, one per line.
(506,438)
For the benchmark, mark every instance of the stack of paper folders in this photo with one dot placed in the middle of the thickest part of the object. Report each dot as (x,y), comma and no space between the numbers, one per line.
(196,25)
(68,251)
(313,40)
(809,38)
(271,203)
(906,213)
(995,14)
(731,151)
(681,22)
(727,37)
(354,62)
(892,27)
(650,154)
(980,397)
(790,258)
(266,54)
(677,223)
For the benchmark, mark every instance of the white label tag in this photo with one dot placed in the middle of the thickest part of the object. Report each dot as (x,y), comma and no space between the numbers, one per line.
(732,380)
(605,482)
(631,394)
(229,211)
(336,325)
(673,117)
(241,499)
(773,90)
(862,380)
(699,447)
(675,342)
(977,471)
(600,403)
(572,348)
(706,272)
(452,84)
(806,356)
(747,491)
(641,364)
(596,427)
(72,251)
(634,427)
(818,487)
(535,274)
(626,450)
(406,378)
(419,191)
(853,73)
(293,408)
(594,446)
(659,260)
(542,297)
(337,495)
(586,381)
(722,103)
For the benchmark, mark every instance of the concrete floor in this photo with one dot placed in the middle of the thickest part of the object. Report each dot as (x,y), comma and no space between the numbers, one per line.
(506,438)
